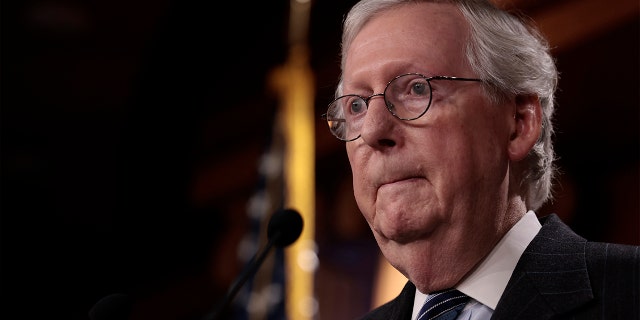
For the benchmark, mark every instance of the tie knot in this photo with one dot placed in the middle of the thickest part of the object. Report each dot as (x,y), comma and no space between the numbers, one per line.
(443,305)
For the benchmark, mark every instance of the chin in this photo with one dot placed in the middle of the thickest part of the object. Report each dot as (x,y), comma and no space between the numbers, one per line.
(403,229)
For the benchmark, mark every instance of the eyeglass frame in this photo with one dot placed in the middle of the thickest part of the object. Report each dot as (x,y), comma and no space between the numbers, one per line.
(366,100)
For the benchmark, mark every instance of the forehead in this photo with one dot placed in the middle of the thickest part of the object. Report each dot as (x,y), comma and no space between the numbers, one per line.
(418,37)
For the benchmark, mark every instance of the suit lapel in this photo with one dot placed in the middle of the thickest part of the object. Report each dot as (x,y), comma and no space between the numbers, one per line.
(550,278)
(404,307)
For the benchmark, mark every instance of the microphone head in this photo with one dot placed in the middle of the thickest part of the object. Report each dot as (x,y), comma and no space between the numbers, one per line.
(285,226)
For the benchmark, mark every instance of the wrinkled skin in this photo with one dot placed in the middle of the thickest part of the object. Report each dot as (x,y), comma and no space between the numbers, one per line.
(437,192)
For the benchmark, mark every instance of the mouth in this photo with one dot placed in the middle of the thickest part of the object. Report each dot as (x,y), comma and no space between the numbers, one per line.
(402,180)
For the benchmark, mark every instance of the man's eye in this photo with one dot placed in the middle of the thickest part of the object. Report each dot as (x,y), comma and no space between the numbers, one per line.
(419,88)
(357,106)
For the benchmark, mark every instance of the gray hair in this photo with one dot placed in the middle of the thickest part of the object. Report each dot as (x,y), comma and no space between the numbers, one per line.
(512,58)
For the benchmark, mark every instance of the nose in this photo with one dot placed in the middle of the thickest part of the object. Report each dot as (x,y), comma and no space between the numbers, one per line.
(377,129)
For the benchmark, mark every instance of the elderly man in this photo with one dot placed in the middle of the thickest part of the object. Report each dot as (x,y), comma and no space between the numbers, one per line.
(446,109)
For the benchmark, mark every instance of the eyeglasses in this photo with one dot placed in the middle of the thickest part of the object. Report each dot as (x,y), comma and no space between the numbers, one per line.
(407,97)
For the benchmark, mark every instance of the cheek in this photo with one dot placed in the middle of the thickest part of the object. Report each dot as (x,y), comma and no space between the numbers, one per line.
(361,191)
(473,154)
(479,130)
(364,199)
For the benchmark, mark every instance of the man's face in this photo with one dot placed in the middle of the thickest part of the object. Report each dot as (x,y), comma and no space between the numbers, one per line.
(434,187)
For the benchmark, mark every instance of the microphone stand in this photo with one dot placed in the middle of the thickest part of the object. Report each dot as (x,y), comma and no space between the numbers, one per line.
(253,265)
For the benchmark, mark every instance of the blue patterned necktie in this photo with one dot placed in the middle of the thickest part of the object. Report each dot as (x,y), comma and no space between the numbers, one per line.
(443,305)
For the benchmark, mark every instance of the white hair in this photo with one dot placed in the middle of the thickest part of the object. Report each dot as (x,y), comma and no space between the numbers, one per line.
(510,56)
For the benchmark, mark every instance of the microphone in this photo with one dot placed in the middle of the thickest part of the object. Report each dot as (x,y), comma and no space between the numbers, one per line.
(285,226)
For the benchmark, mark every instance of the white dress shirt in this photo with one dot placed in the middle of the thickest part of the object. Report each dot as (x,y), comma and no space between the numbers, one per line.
(487,282)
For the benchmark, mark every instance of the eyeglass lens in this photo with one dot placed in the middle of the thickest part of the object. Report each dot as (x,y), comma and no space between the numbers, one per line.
(407,97)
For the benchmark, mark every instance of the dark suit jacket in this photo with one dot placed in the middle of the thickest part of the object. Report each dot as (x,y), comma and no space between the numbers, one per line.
(559,276)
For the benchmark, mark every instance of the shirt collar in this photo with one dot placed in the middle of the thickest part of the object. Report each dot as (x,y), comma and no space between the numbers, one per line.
(488,281)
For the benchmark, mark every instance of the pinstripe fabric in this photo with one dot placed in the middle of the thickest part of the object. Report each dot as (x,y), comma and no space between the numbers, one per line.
(562,276)
(443,305)
(559,276)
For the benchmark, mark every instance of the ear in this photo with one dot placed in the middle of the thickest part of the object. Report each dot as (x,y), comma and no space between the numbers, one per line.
(528,124)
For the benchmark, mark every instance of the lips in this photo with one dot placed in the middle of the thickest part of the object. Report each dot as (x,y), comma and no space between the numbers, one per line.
(400,180)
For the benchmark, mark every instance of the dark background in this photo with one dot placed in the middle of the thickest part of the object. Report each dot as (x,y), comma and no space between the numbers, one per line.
(132,131)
